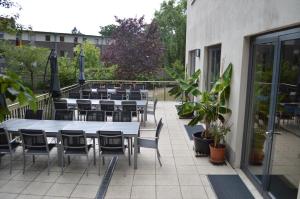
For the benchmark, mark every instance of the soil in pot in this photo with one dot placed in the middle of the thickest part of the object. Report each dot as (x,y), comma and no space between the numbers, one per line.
(201,144)
(217,154)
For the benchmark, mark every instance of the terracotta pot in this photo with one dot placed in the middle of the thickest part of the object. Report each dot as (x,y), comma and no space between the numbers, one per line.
(217,154)
(257,157)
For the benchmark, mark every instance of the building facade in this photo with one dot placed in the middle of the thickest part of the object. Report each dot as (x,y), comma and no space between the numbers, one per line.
(64,43)
(261,38)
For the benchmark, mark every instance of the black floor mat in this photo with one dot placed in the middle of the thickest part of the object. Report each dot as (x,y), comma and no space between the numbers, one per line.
(190,130)
(229,187)
(281,188)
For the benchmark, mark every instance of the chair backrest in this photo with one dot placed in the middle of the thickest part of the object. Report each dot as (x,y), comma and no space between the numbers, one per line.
(34,139)
(30,114)
(133,95)
(95,116)
(64,115)
(122,116)
(111,141)
(84,105)
(106,105)
(73,139)
(139,86)
(102,93)
(110,86)
(116,96)
(95,95)
(86,93)
(158,129)
(129,106)
(126,86)
(74,95)
(4,141)
(121,92)
(60,104)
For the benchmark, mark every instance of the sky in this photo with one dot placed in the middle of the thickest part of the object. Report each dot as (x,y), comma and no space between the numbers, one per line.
(86,15)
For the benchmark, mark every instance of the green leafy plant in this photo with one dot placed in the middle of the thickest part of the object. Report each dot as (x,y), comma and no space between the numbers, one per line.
(212,105)
(218,132)
(12,87)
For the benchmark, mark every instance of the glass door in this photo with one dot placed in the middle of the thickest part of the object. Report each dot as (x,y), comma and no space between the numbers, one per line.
(284,170)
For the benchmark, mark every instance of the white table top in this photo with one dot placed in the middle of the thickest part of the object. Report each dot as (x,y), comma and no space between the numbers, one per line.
(53,126)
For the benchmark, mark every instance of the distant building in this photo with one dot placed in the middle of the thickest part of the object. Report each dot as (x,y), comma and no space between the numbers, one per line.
(63,42)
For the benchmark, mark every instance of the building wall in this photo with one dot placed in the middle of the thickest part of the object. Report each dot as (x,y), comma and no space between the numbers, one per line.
(38,39)
(231,23)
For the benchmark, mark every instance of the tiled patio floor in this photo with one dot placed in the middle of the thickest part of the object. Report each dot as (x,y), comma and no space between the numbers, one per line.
(181,176)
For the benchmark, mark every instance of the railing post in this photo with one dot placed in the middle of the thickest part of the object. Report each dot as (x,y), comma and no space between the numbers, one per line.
(164,91)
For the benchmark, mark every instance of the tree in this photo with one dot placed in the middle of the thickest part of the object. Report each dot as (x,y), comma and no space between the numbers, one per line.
(75,31)
(172,22)
(107,31)
(136,49)
(8,21)
(25,59)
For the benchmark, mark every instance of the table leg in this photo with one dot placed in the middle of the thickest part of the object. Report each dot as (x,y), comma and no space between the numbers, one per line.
(145,113)
(94,146)
(59,151)
(135,151)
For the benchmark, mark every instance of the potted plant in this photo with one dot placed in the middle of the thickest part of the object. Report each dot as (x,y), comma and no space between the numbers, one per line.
(257,150)
(217,148)
(186,87)
(210,108)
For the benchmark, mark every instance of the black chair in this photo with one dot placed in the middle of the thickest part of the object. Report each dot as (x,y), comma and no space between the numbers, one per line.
(108,107)
(134,95)
(110,86)
(83,106)
(95,95)
(64,115)
(95,116)
(139,87)
(86,93)
(30,114)
(127,86)
(60,104)
(152,142)
(116,96)
(102,93)
(121,92)
(130,106)
(74,144)
(75,95)
(7,146)
(35,142)
(122,116)
(111,143)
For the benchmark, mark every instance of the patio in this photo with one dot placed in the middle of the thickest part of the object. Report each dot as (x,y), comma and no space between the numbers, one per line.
(181,176)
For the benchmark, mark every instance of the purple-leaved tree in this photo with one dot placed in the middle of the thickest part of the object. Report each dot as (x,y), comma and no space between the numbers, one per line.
(136,48)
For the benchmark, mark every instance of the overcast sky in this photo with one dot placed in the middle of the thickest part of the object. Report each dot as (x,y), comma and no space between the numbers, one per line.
(86,15)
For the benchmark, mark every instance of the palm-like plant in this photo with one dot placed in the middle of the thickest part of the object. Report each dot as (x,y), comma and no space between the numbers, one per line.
(212,104)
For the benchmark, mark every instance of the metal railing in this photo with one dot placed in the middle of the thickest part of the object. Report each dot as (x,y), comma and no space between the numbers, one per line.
(156,90)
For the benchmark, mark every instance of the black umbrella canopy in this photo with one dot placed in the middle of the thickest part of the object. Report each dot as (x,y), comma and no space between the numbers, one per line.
(54,81)
(81,78)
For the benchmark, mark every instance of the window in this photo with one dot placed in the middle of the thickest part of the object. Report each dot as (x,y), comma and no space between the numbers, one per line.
(213,69)
(62,53)
(192,57)
(1,35)
(61,38)
(47,38)
(75,39)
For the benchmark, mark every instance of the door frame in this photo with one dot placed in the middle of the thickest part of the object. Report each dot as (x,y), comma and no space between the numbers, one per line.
(276,38)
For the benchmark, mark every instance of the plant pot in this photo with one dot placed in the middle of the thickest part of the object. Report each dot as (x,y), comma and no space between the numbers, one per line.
(217,154)
(257,157)
(187,116)
(201,145)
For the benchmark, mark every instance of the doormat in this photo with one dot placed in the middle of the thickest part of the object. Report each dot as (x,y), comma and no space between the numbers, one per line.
(280,187)
(229,187)
(190,130)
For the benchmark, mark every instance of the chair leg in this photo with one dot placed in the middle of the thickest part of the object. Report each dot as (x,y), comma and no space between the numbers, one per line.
(10,164)
(94,151)
(24,163)
(33,159)
(158,157)
(69,160)
(99,163)
(129,154)
(103,160)
(88,165)
(155,119)
(48,164)
(62,164)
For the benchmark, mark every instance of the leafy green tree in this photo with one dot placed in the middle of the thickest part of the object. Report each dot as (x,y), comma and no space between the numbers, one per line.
(91,54)
(108,30)
(25,60)
(171,18)
(67,70)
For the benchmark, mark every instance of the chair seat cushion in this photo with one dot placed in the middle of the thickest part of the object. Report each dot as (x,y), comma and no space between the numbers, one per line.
(79,151)
(112,151)
(147,143)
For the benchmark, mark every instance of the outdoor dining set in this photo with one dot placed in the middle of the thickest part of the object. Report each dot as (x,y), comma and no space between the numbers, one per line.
(86,117)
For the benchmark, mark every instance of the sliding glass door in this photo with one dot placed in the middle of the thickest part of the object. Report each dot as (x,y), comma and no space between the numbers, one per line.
(272,152)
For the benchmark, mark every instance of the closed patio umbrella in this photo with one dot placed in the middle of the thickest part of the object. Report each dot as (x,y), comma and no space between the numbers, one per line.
(3,106)
(54,81)
(81,78)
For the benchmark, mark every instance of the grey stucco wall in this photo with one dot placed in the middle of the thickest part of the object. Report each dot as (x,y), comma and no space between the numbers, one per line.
(231,23)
